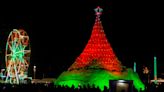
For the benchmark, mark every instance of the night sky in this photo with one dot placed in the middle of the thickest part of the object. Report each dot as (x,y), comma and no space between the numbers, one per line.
(59,31)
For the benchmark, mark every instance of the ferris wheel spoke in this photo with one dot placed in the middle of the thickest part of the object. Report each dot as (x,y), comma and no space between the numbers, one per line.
(12,45)
(9,45)
(19,66)
(26,62)
(21,51)
(27,51)
(17,43)
(9,55)
(25,36)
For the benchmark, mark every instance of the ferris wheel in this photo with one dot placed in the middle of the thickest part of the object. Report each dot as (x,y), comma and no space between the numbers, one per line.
(17,56)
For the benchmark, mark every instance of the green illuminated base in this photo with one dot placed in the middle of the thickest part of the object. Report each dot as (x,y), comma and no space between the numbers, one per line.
(98,77)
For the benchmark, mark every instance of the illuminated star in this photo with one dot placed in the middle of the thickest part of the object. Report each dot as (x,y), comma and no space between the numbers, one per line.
(98,11)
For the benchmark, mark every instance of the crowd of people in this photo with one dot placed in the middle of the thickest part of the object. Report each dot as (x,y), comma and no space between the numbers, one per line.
(52,88)
(45,88)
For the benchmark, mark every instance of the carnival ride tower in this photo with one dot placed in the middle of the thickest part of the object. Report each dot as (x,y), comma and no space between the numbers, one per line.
(17,56)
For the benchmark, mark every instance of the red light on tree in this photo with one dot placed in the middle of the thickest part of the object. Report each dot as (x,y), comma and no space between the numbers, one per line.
(98,49)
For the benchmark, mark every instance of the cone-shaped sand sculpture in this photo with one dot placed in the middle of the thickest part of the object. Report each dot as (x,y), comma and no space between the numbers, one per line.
(97,64)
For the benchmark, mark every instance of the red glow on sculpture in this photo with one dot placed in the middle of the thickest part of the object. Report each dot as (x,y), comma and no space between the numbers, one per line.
(99,49)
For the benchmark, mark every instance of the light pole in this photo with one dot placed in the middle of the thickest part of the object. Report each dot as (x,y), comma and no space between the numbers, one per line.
(155,69)
(134,68)
(34,69)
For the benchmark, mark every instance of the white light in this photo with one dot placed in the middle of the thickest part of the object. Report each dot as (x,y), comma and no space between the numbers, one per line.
(121,81)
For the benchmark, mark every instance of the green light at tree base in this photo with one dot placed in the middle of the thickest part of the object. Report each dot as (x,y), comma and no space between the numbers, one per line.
(98,78)
(155,69)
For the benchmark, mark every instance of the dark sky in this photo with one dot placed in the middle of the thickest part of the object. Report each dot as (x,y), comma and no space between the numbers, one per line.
(59,31)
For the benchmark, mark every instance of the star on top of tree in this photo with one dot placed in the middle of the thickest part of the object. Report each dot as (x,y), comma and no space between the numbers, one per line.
(98,10)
